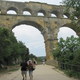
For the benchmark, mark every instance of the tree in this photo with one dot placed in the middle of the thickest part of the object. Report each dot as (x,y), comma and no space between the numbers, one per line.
(68,56)
(31,56)
(74,7)
(75,4)
(10,49)
(5,49)
(68,51)
(23,51)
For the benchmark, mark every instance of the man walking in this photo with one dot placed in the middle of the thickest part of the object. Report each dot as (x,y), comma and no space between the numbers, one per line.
(24,67)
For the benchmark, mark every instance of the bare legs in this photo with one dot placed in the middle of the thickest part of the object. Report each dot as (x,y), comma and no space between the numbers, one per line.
(24,75)
(31,75)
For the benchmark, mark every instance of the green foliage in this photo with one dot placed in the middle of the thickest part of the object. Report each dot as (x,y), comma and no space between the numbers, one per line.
(74,46)
(68,50)
(68,55)
(4,43)
(72,3)
(73,7)
(23,51)
(10,49)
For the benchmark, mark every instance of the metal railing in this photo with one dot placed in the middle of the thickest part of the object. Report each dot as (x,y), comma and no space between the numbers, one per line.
(67,66)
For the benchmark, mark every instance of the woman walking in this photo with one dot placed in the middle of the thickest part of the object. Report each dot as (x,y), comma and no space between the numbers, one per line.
(31,68)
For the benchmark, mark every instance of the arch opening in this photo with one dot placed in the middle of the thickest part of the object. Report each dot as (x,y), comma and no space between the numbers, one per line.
(31,37)
(65,32)
(53,15)
(41,13)
(75,17)
(65,16)
(26,13)
(12,10)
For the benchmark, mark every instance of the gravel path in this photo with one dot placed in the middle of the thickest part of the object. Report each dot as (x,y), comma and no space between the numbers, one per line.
(42,72)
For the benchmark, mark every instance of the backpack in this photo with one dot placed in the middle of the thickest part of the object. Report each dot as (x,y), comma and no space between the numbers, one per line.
(31,66)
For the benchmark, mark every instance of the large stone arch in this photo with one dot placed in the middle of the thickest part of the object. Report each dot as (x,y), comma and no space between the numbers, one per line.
(32,23)
(47,39)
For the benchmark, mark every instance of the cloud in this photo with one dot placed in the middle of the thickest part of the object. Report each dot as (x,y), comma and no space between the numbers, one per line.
(28,34)
(55,2)
(66,32)
(37,50)
(32,38)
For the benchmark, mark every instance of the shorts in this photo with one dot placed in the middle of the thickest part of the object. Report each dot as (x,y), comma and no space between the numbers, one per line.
(23,72)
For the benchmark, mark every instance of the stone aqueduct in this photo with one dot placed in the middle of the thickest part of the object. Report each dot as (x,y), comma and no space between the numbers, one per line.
(47,25)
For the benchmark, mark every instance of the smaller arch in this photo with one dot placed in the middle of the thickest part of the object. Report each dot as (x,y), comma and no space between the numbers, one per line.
(64,16)
(27,11)
(54,13)
(75,17)
(41,13)
(12,10)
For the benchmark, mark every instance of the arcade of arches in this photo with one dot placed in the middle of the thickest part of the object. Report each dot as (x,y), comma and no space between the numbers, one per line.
(47,24)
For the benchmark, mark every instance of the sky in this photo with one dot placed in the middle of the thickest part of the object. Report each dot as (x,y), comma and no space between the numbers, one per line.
(32,37)
(55,2)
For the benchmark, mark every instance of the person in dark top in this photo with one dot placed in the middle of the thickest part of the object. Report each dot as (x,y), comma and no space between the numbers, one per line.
(24,68)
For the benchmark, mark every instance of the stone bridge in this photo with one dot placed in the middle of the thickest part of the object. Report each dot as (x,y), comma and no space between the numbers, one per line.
(47,24)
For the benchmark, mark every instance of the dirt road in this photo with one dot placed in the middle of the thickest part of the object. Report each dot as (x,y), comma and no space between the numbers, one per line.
(42,72)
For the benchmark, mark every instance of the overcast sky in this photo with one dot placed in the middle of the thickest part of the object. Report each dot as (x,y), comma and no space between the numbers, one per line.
(32,37)
(55,2)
